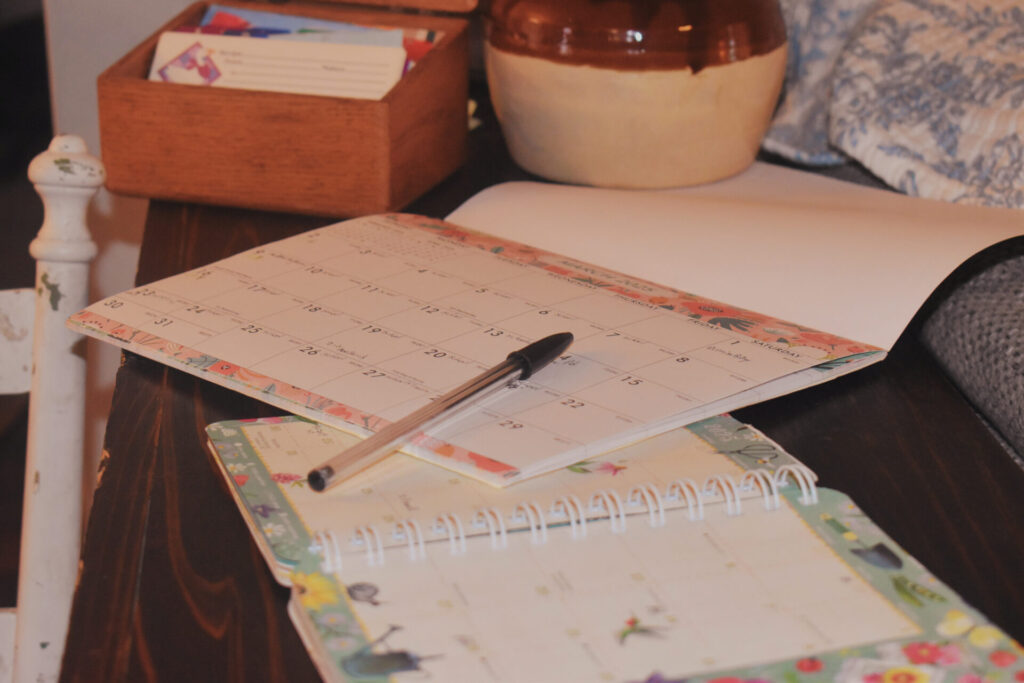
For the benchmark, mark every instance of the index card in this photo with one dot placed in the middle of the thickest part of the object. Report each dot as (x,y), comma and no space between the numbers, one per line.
(329,69)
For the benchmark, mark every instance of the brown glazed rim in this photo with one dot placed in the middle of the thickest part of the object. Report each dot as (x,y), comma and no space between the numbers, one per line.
(637,34)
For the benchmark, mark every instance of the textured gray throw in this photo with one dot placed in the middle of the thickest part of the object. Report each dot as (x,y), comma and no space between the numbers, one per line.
(977,334)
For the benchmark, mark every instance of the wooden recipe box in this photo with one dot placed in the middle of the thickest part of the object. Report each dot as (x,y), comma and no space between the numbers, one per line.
(310,154)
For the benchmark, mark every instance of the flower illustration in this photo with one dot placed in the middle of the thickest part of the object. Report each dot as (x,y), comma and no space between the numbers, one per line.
(445,450)
(635,627)
(820,339)
(984,637)
(223,368)
(333,622)
(340,410)
(1002,658)
(610,468)
(905,674)
(949,654)
(955,623)
(809,665)
(315,590)
(264,510)
(270,530)
(341,643)
(700,307)
(589,467)
(922,653)
(286,478)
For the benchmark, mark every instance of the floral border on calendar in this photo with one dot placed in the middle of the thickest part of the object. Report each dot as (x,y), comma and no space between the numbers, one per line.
(832,350)
(708,311)
(262,492)
(228,373)
(956,643)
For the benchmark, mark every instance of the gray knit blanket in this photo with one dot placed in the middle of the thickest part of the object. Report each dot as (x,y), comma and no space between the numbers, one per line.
(977,335)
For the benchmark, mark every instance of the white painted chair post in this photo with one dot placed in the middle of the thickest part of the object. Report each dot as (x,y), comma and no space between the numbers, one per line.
(66,177)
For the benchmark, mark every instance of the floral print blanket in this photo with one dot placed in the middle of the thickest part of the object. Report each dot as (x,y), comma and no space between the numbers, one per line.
(927,94)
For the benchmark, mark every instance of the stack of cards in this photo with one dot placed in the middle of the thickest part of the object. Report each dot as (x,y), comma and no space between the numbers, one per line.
(253,50)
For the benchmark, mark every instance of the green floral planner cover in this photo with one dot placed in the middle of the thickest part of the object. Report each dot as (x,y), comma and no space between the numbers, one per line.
(707,554)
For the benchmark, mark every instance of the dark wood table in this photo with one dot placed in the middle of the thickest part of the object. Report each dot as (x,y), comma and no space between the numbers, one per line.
(173,589)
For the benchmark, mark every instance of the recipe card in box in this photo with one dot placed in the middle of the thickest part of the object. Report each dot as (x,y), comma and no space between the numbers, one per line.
(355,71)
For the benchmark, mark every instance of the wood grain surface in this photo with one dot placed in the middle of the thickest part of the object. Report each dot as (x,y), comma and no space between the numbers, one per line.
(173,589)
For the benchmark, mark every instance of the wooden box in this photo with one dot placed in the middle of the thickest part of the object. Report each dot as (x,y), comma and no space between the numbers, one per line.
(309,154)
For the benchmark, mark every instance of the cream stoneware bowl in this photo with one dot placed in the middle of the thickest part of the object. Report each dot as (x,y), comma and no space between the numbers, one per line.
(642,94)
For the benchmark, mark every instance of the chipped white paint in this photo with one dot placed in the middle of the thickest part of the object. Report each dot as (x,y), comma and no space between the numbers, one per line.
(66,177)
(17,309)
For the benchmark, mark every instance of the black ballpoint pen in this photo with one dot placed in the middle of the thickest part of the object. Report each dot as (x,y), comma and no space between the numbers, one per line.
(525,361)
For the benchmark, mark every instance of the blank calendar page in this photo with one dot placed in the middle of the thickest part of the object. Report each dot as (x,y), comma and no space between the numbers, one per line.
(681,599)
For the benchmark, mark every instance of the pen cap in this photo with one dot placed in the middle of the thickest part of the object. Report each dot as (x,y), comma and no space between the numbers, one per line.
(533,357)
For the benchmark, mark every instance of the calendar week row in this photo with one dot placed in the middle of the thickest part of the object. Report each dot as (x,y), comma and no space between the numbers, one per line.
(372,283)
(611,377)
(247,322)
(213,300)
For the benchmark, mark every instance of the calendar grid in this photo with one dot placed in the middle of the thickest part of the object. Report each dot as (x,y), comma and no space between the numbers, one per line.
(373,318)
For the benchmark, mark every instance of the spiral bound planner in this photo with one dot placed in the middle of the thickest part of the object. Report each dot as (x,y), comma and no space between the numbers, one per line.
(703,553)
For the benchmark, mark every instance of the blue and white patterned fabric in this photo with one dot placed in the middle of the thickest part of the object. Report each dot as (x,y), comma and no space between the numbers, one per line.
(927,94)
(817,31)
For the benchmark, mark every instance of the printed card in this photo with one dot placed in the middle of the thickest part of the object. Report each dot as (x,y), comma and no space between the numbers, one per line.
(308,68)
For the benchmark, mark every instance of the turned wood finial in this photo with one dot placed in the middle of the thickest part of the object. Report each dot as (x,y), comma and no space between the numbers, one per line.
(66,176)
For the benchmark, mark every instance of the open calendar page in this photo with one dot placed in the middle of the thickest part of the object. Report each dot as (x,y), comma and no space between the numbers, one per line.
(359,323)
(704,554)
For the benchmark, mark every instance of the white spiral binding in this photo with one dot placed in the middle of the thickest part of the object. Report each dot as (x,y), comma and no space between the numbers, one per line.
(804,478)
(495,524)
(650,495)
(368,536)
(571,507)
(687,489)
(409,530)
(767,483)
(325,543)
(608,501)
(531,513)
(725,484)
(452,526)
